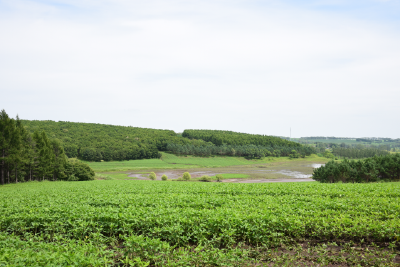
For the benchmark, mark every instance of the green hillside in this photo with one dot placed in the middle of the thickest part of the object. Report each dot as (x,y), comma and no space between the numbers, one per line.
(96,142)
(100,142)
(219,138)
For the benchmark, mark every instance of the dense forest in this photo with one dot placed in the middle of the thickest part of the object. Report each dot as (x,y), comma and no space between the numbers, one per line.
(28,157)
(378,168)
(220,138)
(248,151)
(96,142)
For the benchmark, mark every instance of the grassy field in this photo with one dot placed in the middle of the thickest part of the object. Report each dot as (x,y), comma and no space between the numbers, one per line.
(232,176)
(170,161)
(155,223)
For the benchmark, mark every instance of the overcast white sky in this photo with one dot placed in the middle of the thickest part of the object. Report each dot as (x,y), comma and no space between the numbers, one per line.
(323,68)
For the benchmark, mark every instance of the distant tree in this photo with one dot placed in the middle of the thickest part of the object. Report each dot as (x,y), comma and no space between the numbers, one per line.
(219,177)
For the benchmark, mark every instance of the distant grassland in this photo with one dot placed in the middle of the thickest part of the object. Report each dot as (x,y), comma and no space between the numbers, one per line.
(232,176)
(170,161)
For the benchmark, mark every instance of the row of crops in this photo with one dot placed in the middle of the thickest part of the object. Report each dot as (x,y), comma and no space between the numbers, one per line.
(164,223)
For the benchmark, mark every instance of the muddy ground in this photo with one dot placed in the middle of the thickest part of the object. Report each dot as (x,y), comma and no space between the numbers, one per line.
(296,171)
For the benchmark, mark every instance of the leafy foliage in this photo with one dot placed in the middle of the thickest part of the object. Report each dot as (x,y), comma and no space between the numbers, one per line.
(96,142)
(189,224)
(220,138)
(164,177)
(186,176)
(27,157)
(78,169)
(152,176)
(358,153)
(383,168)
(248,151)
(205,178)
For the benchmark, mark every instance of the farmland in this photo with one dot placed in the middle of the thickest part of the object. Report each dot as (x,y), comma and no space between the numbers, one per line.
(137,223)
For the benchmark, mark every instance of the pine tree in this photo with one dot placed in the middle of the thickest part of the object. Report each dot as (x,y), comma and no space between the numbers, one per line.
(59,159)
(6,126)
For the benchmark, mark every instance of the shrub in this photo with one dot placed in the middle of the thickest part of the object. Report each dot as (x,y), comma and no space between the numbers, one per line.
(76,170)
(164,177)
(205,178)
(328,154)
(186,176)
(219,177)
(152,176)
(294,154)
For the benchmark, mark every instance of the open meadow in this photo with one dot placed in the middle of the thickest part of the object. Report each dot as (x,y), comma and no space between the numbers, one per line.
(164,223)
(231,167)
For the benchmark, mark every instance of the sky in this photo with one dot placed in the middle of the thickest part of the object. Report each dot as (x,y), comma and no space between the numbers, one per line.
(317,67)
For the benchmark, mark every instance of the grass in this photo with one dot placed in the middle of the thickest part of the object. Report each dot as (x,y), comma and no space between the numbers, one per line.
(170,161)
(155,223)
(232,176)
(132,165)
(113,176)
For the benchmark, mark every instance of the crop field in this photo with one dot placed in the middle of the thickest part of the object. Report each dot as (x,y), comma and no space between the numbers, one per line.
(155,223)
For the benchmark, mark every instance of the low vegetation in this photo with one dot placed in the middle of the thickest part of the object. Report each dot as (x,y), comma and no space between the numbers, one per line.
(147,223)
(97,142)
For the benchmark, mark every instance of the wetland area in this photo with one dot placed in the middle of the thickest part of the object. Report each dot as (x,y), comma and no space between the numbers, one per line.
(251,171)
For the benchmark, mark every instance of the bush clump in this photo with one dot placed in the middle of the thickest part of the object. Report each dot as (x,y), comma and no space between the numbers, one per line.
(205,178)
(219,177)
(186,176)
(152,176)
(76,170)
(164,177)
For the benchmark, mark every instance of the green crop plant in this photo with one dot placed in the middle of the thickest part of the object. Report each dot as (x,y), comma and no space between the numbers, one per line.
(118,222)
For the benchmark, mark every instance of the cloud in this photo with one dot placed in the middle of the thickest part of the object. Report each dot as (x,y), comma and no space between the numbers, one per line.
(200,64)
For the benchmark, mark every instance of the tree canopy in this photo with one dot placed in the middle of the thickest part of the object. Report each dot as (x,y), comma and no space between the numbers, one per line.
(27,157)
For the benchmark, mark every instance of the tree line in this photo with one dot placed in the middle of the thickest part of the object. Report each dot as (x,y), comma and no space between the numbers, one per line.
(97,142)
(28,157)
(377,168)
(358,153)
(220,138)
(248,151)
